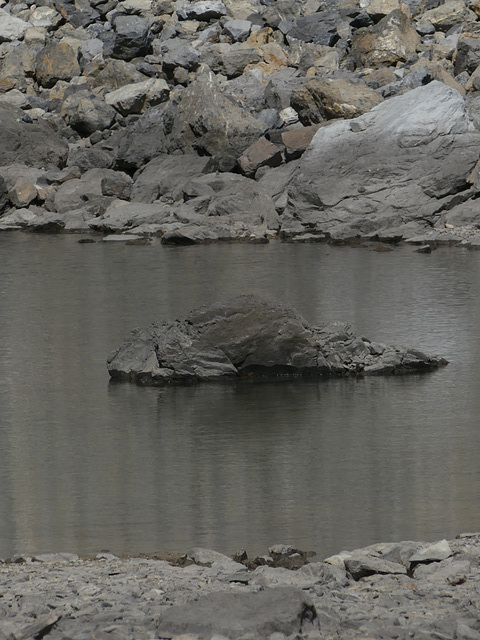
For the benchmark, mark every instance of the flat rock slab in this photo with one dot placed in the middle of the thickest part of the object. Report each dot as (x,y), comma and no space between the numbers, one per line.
(249,336)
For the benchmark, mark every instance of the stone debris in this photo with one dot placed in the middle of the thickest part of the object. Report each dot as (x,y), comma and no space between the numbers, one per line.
(205,595)
(347,120)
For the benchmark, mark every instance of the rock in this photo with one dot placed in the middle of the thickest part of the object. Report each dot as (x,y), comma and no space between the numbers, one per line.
(57,61)
(203,10)
(432,553)
(135,98)
(205,121)
(143,140)
(323,98)
(37,143)
(359,567)
(11,28)
(449,14)
(167,175)
(86,113)
(319,28)
(234,615)
(260,154)
(402,181)
(176,53)
(248,336)
(238,30)
(124,217)
(75,193)
(392,40)
(22,193)
(132,37)
(116,74)
(296,141)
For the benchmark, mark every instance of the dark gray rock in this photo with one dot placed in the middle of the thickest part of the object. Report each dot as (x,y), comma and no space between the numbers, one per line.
(143,140)
(35,143)
(235,615)
(132,37)
(402,162)
(86,113)
(247,336)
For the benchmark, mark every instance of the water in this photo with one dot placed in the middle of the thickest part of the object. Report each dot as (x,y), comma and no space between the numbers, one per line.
(325,465)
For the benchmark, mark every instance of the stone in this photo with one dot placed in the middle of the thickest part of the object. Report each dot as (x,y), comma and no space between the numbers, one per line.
(85,112)
(204,10)
(230,60)
(359,567)
(123,217)
(207,122)
(22,193)
(296,141)
(432,553)
(248,336)
(390,41)
(56,61)
(167,175)
(143,140)
(36,143)
(132,37)
(238,30)
(11,28)
(234,615)
(177,53)
(135,98)
(422,138)
(260,154)
(449,14)
(75,193)
(324,98)
(319,28)
(116,74)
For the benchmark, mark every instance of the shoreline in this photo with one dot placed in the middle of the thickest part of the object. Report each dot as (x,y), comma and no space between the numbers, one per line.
(386,590)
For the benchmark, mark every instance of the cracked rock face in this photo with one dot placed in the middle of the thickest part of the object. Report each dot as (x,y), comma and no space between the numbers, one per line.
(248,336)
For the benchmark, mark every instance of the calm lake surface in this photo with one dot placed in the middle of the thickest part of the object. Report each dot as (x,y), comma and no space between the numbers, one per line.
(325,465)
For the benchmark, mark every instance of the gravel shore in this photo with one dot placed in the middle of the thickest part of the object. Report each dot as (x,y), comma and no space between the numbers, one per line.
(388,590)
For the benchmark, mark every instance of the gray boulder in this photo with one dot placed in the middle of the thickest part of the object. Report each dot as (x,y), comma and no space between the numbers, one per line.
(203,10)
(35,143)
(143,140)
(85,112)
(132,37)
(248,336)
(282,611)
(403,162)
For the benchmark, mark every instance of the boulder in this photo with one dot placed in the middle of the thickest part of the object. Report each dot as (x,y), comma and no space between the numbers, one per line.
(56,61)
(85,112)
(203,10)
(207,122)
(324,98)
(390,41)
(248,336)
(135,98)
(11,28)
(35,143)
(401,162)
(261,153)
(284,611)
(132,37)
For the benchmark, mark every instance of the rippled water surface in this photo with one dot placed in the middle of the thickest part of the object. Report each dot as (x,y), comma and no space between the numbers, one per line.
(324,465)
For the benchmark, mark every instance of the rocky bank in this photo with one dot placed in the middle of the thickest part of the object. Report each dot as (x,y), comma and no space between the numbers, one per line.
(252,337)
(241,120)
(389,590)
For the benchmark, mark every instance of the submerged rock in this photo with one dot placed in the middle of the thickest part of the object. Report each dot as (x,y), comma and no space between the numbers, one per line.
(249,336)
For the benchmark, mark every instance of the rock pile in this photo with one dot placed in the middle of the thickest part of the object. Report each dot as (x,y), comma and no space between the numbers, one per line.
(389,590)
(249,336)
(199,121)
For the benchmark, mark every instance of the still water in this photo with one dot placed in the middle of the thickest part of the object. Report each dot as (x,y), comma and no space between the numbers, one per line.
(325,465)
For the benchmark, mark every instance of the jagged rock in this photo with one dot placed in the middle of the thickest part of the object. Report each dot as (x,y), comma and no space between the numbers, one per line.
(238,30)
(86,113)
(230,60)
(260,154)
(449,14)
(420,153)
(36,143)
(11,28)
(132,37)
(142,141)
(57,61)
(176,53)
(167,175)
(130,216)
(135,98)
(253,337)
(207,122)
(203,10)
(296,141)
(116,74)
(324,98)
(77,192)
(392,40)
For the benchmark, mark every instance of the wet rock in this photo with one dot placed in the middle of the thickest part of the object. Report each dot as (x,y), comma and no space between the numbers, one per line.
(252,337)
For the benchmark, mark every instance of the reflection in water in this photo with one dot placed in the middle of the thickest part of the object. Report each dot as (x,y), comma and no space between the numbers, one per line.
(326,465)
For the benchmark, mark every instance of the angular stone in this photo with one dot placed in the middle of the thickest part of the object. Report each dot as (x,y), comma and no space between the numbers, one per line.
(135,98)
(132,37)
(116,74)
(285,611)
(11,28)
(296,141)
(86,113)
(57,61)
(432,553)
(177,53)
(449,14)
(390,41)
(260,154)
(360,567)
(22,193)
(238,30)
(325,98)
(203,10)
